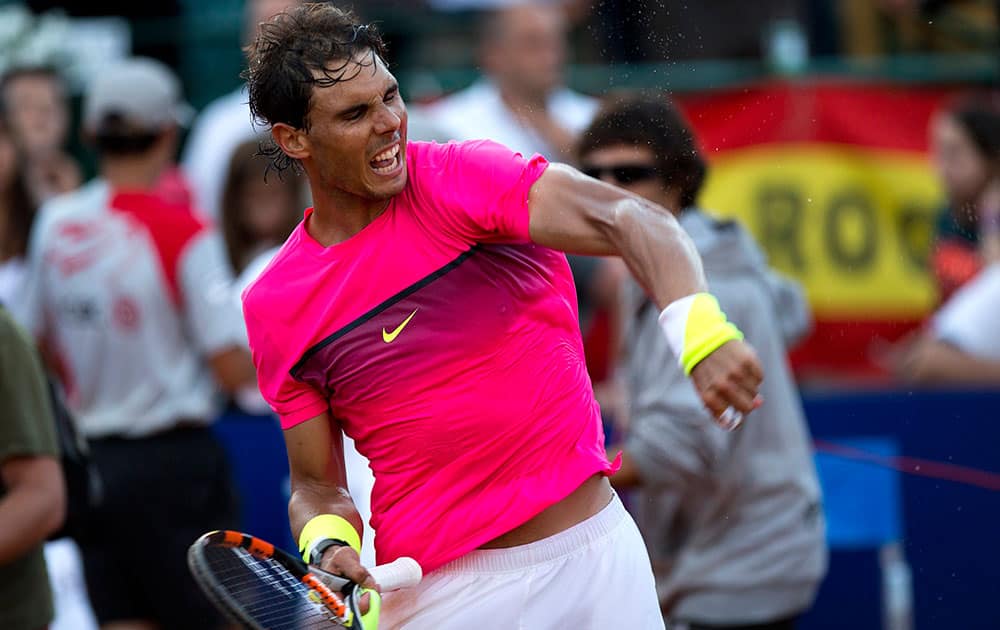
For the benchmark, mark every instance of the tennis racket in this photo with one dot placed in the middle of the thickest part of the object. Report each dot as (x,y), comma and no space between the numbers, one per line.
(263,587)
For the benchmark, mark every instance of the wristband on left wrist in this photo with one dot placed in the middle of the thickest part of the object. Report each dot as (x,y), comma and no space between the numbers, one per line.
(696,327)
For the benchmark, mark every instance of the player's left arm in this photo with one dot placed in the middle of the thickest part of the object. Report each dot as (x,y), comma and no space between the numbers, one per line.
(578,214)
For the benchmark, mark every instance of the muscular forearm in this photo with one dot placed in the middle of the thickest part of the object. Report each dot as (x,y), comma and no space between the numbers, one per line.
(31,510)
(318,475)
(320,503)
(657,251)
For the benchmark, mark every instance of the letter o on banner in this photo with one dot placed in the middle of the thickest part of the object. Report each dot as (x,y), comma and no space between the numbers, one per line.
(851,232)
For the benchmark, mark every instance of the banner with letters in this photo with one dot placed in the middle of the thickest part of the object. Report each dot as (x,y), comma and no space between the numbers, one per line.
(834,181)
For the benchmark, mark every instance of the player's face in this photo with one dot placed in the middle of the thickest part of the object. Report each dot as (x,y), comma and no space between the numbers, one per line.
(357,133)
(629,167)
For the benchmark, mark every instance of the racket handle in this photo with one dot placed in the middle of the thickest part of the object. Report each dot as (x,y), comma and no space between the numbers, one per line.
(400,573)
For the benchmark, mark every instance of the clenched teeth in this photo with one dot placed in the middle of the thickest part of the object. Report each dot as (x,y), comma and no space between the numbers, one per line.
(388,154)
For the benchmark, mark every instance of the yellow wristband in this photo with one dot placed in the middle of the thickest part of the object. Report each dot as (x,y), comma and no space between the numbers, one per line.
(327,527)
(696,327)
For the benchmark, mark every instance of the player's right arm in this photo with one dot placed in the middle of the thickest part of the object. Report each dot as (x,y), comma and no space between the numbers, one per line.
(319,487)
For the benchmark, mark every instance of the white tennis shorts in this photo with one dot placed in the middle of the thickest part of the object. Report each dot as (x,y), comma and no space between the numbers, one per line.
(595,575)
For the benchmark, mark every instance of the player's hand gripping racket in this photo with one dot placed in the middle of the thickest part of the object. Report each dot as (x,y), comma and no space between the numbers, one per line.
(266,588)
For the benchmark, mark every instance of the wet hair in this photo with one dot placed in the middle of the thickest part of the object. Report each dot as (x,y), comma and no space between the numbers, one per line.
(18,204)
(979,116)
(311,45)
(245,164)
(650,120)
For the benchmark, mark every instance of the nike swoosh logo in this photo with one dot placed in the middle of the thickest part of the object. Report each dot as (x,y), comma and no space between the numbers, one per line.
(389,337)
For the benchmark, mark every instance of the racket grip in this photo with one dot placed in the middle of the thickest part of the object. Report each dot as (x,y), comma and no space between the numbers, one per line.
(400,573)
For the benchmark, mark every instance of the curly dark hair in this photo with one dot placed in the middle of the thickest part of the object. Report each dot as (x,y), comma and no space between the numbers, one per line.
(311,45)
(645,119)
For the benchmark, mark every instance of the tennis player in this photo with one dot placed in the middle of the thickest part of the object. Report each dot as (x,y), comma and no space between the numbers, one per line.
(424,306)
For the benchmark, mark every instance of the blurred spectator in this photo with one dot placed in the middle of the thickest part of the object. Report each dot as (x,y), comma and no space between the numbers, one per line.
(32,492)
(258,212)
(961,344)
(130,296)
(732,520)
(17,212)
(34,102)
(965,140)
(521,101)
(223,124)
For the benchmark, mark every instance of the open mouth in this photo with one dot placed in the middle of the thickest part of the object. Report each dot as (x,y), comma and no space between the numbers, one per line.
(386,161)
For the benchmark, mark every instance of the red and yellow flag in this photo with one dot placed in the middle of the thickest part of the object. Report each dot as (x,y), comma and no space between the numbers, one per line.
(834,181)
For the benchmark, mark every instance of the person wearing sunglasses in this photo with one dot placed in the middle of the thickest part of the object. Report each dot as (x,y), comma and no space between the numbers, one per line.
(701,494)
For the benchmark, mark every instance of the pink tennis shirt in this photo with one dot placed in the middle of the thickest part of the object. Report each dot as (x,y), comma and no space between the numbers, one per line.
(448,347)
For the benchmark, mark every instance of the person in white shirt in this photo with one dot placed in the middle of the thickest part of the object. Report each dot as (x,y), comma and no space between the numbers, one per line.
(961,343)
(521,101)
(128,293)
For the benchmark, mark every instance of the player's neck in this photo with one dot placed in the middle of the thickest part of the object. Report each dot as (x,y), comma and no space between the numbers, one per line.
(335,220)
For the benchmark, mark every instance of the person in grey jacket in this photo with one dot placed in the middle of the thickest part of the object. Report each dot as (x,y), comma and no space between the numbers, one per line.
(732,519)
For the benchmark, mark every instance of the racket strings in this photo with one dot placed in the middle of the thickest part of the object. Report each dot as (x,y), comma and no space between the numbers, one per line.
(265,590)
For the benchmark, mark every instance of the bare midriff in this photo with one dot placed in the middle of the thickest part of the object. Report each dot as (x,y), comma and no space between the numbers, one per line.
(592,496)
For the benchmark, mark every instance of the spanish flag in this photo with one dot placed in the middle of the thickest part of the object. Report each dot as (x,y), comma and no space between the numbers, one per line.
(833,179)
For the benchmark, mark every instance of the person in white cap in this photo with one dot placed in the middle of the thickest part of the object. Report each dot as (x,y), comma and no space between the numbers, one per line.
(128,294)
